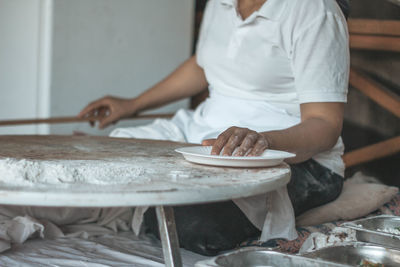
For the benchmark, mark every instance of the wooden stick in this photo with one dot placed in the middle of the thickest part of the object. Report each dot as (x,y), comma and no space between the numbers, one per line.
(372,152)
(76,119)
(374,27)
(374,91)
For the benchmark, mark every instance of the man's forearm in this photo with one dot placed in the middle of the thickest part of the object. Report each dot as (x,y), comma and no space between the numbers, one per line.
(306,139)
(187,80)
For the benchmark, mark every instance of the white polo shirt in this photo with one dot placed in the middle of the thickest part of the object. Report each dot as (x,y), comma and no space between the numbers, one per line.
(287,53)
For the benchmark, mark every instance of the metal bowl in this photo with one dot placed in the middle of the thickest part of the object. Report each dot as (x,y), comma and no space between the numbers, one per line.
(261,257)
(367,230)
(354,254)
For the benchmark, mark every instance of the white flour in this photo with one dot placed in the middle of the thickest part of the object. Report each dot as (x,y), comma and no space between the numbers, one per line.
(25,172)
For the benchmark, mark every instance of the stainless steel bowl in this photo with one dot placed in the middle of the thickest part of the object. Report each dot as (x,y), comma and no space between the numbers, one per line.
(353,254)
(257,257)
(367,230)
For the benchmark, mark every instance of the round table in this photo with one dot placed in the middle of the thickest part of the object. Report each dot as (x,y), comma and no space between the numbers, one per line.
(161,178)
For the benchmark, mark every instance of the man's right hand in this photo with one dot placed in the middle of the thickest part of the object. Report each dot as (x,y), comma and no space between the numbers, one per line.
(108,110)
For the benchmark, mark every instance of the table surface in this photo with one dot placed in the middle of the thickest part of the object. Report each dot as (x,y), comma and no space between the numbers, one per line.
(163,176)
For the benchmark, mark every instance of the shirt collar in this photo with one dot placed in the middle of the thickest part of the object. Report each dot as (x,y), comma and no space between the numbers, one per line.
(231,3)
(272,9)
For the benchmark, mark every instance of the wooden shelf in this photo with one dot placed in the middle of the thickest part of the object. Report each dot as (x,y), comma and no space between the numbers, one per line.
(374,27)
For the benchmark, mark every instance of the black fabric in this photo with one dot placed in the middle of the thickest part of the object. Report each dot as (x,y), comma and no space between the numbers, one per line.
(312,185)
(208,229)
(344,6)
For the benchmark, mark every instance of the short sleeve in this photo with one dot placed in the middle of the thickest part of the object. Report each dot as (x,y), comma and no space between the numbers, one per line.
(205,24)
(321,60)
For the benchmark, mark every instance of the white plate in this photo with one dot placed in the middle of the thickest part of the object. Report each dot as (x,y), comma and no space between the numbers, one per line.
(202,155)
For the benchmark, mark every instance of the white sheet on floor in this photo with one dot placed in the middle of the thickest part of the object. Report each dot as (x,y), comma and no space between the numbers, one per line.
(18,223)
(123,249)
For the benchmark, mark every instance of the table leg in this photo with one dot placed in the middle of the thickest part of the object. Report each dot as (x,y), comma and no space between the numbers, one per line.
(168,236)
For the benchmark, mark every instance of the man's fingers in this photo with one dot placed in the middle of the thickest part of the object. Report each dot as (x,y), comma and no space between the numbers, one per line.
(208,142)
(92,107)
(247,143)
(85,112)
(107,115)
(92,122)
(234,141)
(102,112)
(220,142)
(104,122)
(259,147)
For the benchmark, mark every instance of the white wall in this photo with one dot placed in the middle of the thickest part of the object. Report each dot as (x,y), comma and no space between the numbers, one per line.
(114,47)
(19,39)
(99,47)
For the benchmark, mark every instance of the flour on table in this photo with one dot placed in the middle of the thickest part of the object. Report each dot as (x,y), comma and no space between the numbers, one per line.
(81,163)
(25,172)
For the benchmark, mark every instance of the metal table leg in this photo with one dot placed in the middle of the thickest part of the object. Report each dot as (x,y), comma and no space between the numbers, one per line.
(168,236)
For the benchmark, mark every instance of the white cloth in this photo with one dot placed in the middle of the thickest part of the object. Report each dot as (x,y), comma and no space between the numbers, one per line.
(213,116)
(287,53)
(106,250)
(19,223)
